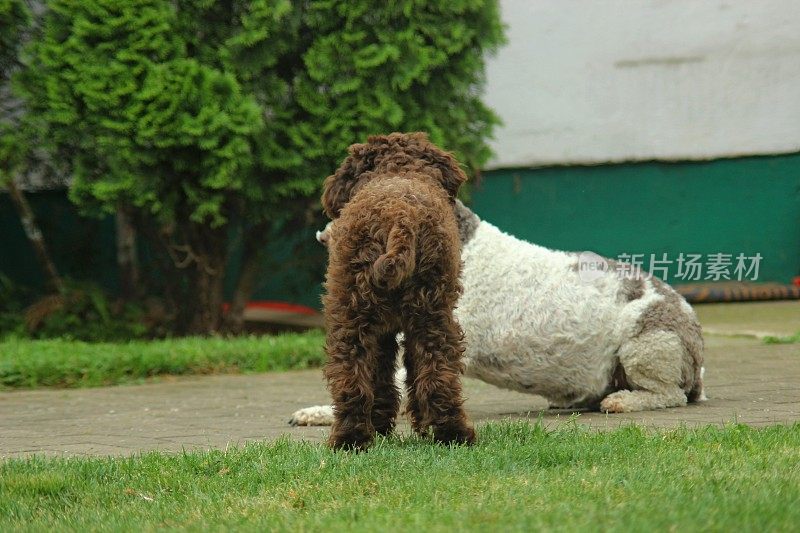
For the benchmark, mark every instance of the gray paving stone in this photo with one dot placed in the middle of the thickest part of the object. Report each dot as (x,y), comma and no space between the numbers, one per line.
(746,381)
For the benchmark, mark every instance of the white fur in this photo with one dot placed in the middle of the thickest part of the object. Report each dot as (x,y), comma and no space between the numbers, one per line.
(534,325)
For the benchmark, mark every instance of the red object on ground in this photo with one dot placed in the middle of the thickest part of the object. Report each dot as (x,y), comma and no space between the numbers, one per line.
(282,306)
(796,281)
(268,305)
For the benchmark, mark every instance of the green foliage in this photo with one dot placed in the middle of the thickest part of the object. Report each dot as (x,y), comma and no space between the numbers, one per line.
(407,65)
(149,126)
(210,119)
(218,111)
(519,477)
(14,21)
(12,297)
(82,312)
(67,363)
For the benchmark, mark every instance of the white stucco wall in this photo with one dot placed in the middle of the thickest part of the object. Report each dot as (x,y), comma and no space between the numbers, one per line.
(594,81)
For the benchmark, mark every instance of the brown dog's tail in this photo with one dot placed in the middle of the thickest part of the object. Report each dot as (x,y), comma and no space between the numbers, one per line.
(397,263)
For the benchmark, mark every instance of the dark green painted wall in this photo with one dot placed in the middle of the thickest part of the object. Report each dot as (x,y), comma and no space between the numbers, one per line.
(85,249)
(82,248)
(743,205)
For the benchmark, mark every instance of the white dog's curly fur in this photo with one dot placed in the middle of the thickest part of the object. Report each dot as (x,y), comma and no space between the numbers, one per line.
(617,340)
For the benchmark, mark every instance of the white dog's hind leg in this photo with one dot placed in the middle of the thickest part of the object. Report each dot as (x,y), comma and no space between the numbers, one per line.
(322,415)
(653,364)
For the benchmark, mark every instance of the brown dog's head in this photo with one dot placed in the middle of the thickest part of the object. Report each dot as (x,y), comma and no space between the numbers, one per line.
(396,152)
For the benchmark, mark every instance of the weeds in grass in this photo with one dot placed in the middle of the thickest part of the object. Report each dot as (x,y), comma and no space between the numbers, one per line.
(791,339)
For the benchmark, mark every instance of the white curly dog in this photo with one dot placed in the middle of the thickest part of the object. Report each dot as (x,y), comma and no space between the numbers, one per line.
(582,331)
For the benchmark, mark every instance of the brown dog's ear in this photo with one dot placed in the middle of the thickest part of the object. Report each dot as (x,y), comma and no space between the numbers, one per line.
(338,187)
(452,175)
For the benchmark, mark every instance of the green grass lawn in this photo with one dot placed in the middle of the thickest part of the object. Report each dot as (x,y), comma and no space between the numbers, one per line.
(67,363)
(519,477)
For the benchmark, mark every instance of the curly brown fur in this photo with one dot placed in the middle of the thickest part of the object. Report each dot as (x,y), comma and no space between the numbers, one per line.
(394,266)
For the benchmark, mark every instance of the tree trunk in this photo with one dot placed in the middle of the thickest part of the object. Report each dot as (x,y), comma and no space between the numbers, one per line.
(252,254)
(191,261)
(204,301)
(35,237)
(127,258)
(161,279)
(206,254)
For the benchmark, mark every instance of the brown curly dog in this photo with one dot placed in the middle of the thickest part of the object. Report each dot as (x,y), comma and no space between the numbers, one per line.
(394,266)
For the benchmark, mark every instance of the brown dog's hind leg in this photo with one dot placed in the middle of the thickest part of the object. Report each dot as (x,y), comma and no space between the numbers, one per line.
(433,351)
(387,396)
(350,371)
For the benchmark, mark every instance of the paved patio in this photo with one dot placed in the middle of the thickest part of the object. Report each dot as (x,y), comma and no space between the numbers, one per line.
(746,381)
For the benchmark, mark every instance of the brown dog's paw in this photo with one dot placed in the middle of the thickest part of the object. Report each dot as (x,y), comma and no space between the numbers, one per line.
(385,429)
(353,441)
(454,435)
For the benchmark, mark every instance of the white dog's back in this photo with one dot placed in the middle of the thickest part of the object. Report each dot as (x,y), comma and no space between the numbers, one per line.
(534,324)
